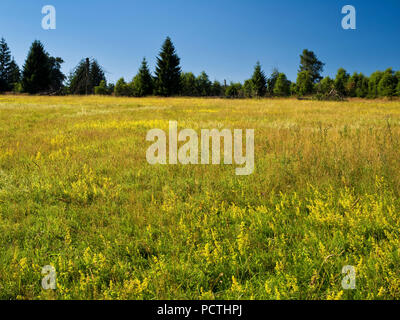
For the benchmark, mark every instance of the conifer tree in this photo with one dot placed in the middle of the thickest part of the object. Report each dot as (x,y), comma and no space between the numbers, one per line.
(143,81)
(5,61)
(96,74)
(14,74)
(259,81)
(168,71)
(87,75)
(203,85)
(36,75)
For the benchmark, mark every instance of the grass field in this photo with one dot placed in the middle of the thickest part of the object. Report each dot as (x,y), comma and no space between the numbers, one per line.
(77,193)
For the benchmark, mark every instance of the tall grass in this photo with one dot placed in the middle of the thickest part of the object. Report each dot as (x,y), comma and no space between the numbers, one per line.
(77,193)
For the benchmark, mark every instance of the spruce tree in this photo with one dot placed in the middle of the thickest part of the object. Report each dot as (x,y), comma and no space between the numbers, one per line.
(143,81)
(259,81)
(56,76)
(14,75)
(203,85)
(96,75)
(36,75)
(5,61)
(168,71)
(87,75)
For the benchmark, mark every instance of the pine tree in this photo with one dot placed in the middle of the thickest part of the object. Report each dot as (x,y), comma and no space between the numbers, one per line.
(309,62)
(259,81)
(5,61)
(36,75)
(168,71)
(143,81)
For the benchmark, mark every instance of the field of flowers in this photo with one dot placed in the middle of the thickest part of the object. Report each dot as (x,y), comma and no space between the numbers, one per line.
(77,193)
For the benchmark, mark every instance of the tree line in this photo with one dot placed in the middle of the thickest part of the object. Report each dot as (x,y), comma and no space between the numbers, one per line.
(41,74)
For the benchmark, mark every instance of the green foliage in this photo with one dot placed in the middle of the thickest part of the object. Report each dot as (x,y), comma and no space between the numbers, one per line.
(143,81)
(361,85)
(216,89)
(373,83)
(123,89)
(282,86)
(258,82)
(14,75)
(325,85)
(387,84)
(39,69)
(341,80)
(87,75)
(188,84)
(309,62)
(233,90)
(304,83)
(357,86)
(248,89)
(9,71)
(203,85)
(168,71)
(271,82)
(101,89)
(293,89)
(57,78)
(96,73)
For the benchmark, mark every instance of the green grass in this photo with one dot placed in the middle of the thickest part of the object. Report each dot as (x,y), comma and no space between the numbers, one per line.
(76,192)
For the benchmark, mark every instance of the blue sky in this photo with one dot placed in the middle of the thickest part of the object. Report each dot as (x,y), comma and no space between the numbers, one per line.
(223,37)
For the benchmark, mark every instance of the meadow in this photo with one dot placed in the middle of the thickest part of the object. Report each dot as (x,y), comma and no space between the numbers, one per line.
(77,193)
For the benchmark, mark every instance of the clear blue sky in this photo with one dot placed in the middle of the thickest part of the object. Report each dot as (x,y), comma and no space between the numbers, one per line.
(223,37)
